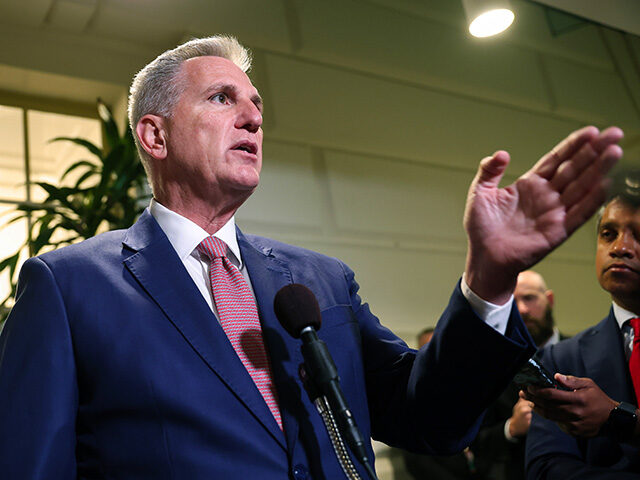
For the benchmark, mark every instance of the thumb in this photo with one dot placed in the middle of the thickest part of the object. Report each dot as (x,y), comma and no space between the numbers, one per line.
(492,169)
(570,382)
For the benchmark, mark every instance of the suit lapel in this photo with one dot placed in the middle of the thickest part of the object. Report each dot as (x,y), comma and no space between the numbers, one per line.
(159,271)
(268,274)
(603,356)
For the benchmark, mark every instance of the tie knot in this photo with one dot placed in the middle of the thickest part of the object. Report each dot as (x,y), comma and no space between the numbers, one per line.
(213,247)
(635,324)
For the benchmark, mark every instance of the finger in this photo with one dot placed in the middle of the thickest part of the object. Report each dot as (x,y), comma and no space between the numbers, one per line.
(524,404)
(572,383)
(572,168)
(578,187)
(584,158)
(492,169)
(549,163)
(552,397)
(610,136)
(582,210)
(601,151)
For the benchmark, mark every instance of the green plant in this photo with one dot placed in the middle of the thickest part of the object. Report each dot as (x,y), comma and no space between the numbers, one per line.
(108,194)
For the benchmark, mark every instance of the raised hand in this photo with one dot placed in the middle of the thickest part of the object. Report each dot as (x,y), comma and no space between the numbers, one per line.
(510,229)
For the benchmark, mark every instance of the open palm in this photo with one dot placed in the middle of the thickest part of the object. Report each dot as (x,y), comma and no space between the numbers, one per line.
(510,229)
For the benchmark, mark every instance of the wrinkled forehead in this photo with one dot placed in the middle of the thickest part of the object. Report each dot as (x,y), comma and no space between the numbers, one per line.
(206,70)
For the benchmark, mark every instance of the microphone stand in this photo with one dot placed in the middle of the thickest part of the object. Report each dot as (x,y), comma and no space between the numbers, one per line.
(319,374)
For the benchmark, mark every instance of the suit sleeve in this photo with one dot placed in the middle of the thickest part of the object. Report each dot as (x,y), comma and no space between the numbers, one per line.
(38,388)
(432,400)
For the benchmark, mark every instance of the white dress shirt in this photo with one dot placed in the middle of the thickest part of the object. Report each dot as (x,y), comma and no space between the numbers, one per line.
(184,235)
(622,317)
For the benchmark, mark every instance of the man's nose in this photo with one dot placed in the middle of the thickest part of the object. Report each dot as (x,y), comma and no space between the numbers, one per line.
(522,306)
(623,246)
(249,117)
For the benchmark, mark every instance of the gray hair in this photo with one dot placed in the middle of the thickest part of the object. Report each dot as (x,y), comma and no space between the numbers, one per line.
(156,88)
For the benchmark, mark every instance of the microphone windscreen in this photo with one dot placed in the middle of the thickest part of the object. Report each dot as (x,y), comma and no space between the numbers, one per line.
(297,308)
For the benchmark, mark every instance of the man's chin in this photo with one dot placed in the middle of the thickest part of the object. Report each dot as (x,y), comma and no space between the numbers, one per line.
(243,182)
(247,180)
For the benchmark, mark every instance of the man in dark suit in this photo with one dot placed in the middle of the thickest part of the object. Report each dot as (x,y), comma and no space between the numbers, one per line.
(155,352)
(499,447)
(596,434)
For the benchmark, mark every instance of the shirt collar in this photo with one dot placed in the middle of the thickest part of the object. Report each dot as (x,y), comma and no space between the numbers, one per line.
(553,339)
(621,314)
(184,235)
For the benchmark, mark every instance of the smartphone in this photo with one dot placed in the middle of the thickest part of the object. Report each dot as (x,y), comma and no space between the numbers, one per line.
(533,373)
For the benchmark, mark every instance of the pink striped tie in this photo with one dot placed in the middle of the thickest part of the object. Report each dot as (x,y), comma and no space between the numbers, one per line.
(239,318)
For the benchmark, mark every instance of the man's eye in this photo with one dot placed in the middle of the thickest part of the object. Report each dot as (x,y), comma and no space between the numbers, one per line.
(220,98)
(607,235)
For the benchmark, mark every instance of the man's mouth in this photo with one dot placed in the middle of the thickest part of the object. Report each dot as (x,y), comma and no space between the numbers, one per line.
(246,146)
(621,267)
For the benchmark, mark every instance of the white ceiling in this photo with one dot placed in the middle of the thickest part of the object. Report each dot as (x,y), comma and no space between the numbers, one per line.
(77,50)
(619,14)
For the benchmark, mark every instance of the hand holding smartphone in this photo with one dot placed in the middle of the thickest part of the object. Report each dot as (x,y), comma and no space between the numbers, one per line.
(533,373)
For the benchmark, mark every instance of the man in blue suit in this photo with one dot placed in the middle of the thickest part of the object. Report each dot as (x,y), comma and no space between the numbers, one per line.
(597,433)
(116,363)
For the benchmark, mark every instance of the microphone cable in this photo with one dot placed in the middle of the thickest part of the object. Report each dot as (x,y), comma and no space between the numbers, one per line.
(322,405)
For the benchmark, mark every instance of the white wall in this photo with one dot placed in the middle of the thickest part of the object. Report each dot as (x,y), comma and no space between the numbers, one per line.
(377,116)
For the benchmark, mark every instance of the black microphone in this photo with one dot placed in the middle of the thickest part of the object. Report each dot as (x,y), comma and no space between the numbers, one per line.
(298,312)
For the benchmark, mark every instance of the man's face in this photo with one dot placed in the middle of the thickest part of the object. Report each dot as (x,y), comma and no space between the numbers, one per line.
(535,304)
(214,134)
(618,254)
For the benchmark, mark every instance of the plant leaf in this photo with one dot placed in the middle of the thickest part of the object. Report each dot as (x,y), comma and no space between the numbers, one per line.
(82,142)
(109,127)
(82,163)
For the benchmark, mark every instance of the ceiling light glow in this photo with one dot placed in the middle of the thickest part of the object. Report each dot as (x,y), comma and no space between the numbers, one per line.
(491,23)
(488,17)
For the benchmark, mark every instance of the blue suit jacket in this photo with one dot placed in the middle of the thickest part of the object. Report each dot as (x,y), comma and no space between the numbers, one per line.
(596,353)
(113,366)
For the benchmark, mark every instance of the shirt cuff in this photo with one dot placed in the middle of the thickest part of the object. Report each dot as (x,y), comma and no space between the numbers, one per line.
(507,435)
(496,316)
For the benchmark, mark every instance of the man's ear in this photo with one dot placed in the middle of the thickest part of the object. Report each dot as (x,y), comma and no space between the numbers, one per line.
(152,136)
(550,298)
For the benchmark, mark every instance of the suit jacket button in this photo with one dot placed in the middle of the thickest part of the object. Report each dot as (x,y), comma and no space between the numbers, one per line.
(300,472)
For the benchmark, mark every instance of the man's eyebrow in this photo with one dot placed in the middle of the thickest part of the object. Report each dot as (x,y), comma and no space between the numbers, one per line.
(607,224)
(220,87)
